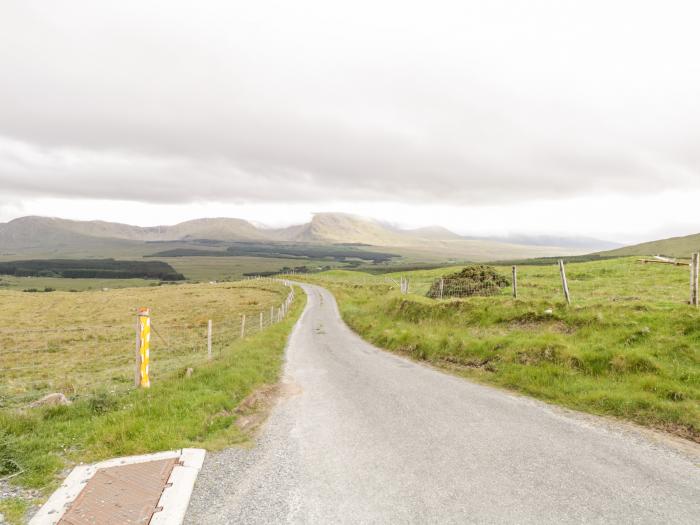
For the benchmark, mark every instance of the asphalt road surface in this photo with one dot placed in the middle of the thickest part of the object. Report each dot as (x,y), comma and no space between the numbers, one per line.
(364,436)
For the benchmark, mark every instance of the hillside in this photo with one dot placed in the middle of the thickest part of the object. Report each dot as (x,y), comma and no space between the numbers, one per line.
(336,228)
(54,237)
(673,247)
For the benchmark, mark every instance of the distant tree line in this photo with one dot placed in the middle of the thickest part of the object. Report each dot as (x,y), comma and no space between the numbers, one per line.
(91,269)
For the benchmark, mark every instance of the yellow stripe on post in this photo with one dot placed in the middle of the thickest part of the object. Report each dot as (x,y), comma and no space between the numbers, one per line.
(144,345)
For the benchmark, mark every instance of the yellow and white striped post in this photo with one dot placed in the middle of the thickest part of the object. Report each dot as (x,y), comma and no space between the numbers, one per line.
(144,346)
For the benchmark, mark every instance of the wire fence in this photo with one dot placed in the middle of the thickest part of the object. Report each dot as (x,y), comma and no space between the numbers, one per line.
(623,280)
(82,360)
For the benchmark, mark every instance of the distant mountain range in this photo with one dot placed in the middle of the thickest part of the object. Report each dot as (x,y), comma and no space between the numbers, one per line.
(54,237)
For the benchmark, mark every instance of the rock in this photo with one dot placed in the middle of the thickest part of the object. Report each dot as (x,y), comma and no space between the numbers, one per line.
(55,399)
(189,372)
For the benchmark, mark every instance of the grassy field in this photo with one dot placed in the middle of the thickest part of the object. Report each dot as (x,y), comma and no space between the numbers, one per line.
(231,268)
(77,343)
(177,411)
(10,282)
(628,346)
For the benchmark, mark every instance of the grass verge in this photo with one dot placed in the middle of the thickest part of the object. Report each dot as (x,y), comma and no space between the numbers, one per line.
(627,347)
(179,411)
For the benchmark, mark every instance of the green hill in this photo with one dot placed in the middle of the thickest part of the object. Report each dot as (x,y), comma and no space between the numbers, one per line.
(673,247)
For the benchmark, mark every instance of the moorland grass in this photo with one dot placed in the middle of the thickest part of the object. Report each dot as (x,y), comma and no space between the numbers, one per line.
(81,343)
(179,411)
(628,346)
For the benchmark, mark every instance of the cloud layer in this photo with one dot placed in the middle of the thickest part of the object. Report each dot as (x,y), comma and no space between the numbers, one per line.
(466,103)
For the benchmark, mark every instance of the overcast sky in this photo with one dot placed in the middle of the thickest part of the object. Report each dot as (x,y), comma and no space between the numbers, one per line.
(552,117)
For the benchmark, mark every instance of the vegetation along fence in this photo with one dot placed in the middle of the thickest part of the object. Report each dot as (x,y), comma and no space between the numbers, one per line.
(616,280)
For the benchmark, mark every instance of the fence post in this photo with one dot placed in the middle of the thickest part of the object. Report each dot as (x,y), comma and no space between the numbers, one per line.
(515,282)
(261,321)
(137,354)
(272,315)
(564,283)
(144,344)
(697,278)
(209,340)
(442,286)
(694,276)
(243,326)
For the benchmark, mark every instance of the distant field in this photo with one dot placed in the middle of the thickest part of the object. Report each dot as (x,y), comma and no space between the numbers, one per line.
(200,269)
(233,268)
(628,346)
(80,343)
(10,282)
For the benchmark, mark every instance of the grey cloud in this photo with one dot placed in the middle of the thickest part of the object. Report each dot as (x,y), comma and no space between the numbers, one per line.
(467,104)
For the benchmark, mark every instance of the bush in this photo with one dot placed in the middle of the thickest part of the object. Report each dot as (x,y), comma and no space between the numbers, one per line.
(476,279)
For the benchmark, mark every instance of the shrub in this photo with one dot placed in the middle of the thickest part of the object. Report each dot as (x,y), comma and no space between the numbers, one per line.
(476,279)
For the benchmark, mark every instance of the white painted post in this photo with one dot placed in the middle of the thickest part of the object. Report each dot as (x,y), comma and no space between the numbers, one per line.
(242,326)
(564,283)
(515,282)
(694,271)
(209,340)
(442,287)
(697,279)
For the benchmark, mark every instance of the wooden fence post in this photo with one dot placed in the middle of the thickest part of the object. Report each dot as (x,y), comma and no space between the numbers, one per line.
(242,326)
(272,315)
(261,321)
(442,287)
(694,271)
(564,283)
(515,282)
(209,340)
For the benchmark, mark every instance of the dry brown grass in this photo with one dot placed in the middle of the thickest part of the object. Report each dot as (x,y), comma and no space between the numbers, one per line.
(80,343)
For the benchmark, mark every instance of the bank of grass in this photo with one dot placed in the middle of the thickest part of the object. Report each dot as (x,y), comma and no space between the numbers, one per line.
(179,411)
(627,347)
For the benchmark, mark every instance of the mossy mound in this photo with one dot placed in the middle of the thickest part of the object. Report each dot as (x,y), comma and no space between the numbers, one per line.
(476,279)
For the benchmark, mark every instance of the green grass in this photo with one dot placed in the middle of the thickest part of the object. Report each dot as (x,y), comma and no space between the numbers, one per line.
(14,510)
(199,411)
(681,247)
(626,347)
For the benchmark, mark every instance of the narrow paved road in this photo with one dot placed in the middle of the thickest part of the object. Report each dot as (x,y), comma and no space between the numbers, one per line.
(369,437)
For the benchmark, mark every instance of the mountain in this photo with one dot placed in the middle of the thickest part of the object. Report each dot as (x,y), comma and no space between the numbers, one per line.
(337,228)
(46,236)
(673,247)
(43,232)
(589,244)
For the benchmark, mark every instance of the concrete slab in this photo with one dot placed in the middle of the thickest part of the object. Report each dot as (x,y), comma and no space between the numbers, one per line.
(151,488)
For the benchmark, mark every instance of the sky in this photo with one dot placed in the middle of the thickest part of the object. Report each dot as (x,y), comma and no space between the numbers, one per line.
(542,117)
